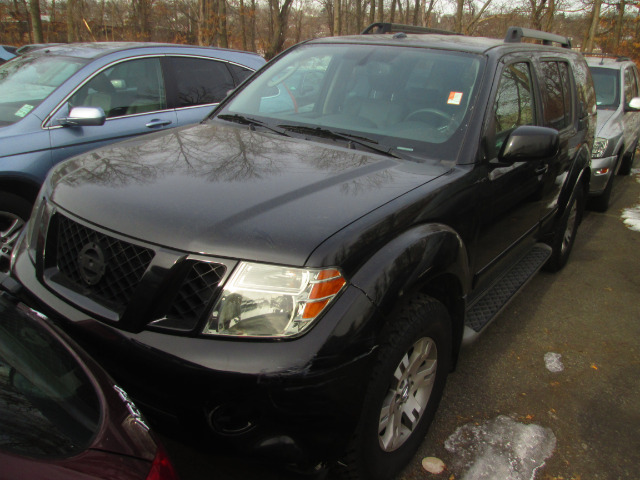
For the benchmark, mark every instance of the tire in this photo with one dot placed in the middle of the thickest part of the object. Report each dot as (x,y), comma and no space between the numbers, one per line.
(417,346)
(601,202)
(627,161)
(14,212)
(565,234)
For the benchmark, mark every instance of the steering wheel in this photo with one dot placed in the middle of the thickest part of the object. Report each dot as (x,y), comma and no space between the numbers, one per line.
(423,114)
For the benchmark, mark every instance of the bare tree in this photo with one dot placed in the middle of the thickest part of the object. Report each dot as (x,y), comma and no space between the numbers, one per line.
(278,26)
(593,28)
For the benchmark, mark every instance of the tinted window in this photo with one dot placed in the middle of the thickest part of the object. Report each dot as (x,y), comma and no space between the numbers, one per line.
(48,405)
(26,81)
(513,105)
(606,82)
(557,105)
(131,87)
(239,73)
(586,95)
(200,81)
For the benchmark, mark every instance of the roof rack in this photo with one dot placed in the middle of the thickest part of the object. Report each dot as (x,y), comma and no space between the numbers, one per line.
(617,58)
(516,34)
(383,27)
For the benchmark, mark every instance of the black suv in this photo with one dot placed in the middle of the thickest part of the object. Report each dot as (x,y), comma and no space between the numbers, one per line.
(298,273)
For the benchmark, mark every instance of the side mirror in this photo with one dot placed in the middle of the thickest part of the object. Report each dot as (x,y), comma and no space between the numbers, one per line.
(633,105)
(84,117)
(529,143)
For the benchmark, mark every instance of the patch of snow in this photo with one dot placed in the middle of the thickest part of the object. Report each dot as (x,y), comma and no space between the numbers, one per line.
(631,218)
(500,448)
(553,362)
(636,172)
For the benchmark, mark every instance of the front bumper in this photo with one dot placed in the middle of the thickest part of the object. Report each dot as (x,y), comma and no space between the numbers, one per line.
(599,180)
(295,400)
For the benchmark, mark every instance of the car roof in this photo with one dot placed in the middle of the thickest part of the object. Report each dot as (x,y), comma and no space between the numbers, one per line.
(93,50)
(607,61)
(460,43)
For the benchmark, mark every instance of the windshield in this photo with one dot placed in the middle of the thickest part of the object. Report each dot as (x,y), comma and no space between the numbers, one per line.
(607,82)
(410,101)
(26,81)
(48,405)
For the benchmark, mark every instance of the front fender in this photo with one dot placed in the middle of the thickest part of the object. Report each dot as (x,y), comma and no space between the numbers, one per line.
(411,260)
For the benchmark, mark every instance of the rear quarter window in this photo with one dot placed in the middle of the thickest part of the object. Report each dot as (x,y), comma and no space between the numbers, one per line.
(557,99)
(199,81)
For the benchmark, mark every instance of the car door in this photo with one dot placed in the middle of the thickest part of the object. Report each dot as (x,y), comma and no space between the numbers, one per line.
(132,94)
(196,85)
(513,194)
(631,122)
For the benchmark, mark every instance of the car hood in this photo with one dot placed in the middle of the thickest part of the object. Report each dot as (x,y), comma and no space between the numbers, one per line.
(229,191)
(605,119)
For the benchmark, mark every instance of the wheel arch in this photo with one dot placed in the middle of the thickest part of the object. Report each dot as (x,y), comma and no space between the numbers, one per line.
(430,259)
(21,187)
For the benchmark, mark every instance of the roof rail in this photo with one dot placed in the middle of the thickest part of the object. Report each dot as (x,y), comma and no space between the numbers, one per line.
(617,58)
(34,46)
(516,34)
(383,27)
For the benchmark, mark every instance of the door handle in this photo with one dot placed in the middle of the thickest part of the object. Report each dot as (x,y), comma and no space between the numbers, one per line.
(542,170)
(158,123)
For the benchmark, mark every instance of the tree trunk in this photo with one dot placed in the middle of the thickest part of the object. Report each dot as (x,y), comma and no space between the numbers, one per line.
(393,11)
(459,13)
(36,22)
(593,29)
(337,18)
(279,19)
(617,36)
(222,24)
(71,21)
(243,25)
(252,27)
(416,13)
(380,10)
(372,11)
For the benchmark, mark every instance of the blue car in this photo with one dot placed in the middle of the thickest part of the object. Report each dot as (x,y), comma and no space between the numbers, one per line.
(7,53)
(57,101)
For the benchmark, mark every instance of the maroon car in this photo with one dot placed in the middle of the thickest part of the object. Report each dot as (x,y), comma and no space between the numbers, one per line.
(61,415)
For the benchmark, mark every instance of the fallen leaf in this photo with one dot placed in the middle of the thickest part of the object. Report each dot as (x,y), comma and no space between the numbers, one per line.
(593,365)
(433,465)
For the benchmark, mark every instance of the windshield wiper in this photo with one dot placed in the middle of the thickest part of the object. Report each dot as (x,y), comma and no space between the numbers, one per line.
(252,122)
(352,140)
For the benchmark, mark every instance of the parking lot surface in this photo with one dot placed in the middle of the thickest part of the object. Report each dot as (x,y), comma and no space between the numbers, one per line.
(549,391)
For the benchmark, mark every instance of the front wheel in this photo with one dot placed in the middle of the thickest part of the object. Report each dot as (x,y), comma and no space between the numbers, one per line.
(14,212)
(404,391)
(627,161)
(566,231)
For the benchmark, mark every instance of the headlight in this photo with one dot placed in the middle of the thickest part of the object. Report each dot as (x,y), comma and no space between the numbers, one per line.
(34,227)
(272,301)
(599,147)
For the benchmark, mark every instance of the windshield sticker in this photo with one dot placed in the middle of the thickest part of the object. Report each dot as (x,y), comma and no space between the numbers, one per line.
(26,108)
(455,98)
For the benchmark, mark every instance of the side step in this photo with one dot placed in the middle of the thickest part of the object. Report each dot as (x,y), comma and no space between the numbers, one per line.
(486,308)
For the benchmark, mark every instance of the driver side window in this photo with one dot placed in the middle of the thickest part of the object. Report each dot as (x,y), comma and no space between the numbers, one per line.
(514,102)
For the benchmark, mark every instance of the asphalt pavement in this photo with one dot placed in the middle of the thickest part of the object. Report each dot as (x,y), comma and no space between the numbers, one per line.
(554,380)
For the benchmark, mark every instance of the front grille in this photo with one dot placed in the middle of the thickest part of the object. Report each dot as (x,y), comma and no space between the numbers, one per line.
(194,295)
(124,264)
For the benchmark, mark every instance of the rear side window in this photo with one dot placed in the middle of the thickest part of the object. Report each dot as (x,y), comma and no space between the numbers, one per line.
(557,101)
(199,81)
(240,73)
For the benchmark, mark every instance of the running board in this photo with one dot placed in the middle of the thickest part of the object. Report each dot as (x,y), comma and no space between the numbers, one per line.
(490,304)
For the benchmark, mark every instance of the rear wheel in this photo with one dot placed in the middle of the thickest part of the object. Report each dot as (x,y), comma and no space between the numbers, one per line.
(627,161)
(14,212)
(404,391)
(566,231)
